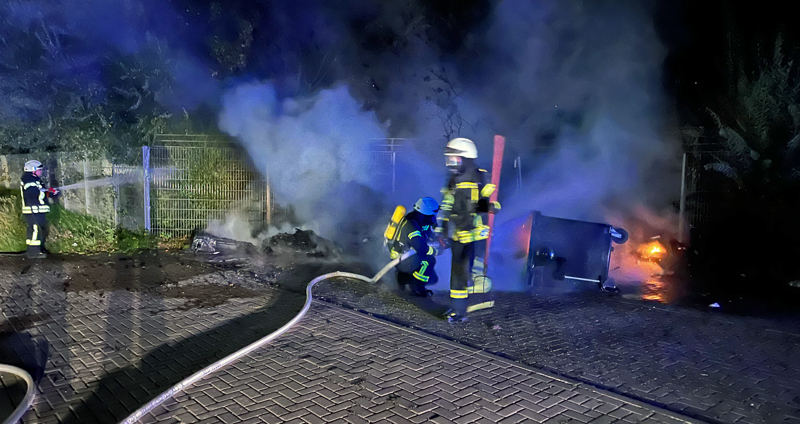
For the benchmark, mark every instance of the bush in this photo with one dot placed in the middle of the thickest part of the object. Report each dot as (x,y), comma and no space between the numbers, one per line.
(12,226)
(71,232)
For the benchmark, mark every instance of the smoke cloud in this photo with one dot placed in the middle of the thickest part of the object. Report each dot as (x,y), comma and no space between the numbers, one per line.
(310,88)
(600,141)
(574,86)
(315,151)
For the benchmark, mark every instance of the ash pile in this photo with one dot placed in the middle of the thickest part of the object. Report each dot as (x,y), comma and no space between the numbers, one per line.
(216,249)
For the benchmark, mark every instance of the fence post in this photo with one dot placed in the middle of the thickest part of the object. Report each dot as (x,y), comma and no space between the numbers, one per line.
(394,174)
(115,193)
(269,202)
(5,172)
(682,213)
(86,185)
(146,182)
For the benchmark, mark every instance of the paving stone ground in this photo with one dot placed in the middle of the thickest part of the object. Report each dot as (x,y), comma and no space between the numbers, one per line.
(110,351)
(343,366)
(719,368)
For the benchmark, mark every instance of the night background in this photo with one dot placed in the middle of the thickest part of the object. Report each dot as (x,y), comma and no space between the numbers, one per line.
(284,133)
(599,99)
(100,77)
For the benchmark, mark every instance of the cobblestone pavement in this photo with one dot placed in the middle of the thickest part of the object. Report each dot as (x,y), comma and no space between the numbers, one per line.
(343,366)
(110,352)
(719,368)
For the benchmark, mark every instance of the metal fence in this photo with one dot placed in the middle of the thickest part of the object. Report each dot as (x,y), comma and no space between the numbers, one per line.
(706,190)
(193,179)
(196,178)
(98,188)
(383,163)
(179,183)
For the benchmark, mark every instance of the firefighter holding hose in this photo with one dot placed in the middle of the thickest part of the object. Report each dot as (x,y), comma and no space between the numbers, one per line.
(460,222)
(413,232)
(34,208)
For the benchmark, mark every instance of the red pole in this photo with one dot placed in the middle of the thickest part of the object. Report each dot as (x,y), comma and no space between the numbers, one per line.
(497,166)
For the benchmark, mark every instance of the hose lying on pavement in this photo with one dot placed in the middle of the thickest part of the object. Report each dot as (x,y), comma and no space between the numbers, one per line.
(27,400)
(141,412)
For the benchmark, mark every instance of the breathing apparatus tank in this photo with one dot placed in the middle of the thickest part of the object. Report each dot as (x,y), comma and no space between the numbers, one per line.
(394,224)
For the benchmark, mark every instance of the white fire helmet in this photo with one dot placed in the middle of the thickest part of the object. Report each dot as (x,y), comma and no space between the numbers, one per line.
(463,147)
(32,166)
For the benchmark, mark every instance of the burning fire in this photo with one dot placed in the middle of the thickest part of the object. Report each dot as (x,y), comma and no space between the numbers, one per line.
(653,251)
(638,261)
(642,262)
(654,290)
(647,260)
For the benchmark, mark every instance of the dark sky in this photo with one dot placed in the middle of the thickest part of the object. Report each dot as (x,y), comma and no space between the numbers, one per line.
(695,32)
(697,35)
(371,40)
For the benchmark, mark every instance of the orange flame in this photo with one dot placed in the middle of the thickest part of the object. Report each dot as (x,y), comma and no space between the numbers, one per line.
(646,260)
(653,251)
(654,290)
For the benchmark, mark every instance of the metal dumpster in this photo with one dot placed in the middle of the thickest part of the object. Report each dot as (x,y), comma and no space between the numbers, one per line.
(569,250)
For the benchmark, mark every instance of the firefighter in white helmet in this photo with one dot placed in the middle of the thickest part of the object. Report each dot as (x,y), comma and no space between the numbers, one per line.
(414,232)
(460,223)
(34,207)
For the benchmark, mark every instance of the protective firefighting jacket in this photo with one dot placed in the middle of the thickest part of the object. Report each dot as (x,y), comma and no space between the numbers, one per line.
(465,197)
(33,194)
(413,233)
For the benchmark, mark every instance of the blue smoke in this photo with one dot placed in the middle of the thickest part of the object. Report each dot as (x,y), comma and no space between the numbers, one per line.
(314,151)
(574,86)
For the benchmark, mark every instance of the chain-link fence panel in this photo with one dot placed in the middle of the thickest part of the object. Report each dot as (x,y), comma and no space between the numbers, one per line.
(196,178)
(711,180)
(99,188)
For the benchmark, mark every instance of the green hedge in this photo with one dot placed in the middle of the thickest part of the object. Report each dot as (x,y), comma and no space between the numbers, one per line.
(70,232)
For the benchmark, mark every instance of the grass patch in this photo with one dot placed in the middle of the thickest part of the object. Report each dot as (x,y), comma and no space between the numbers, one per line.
(12,226)
(72,232)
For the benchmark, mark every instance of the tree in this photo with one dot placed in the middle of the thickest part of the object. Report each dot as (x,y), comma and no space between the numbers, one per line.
(760,128)
(750,241)
(68,91)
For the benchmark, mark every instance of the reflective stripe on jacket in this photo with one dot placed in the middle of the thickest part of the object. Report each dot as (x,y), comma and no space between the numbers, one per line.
(33,194)
(459,208)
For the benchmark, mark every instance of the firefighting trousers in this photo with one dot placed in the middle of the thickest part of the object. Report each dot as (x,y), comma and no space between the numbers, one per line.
(459,275)
(481,295)
(37,232)
(476,264)
(417,272)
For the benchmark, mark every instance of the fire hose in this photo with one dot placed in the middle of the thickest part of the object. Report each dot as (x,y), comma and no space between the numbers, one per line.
(27,400)
(141,412)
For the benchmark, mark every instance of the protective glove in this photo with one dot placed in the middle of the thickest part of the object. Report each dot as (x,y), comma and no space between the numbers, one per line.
(440,243)
(485,206)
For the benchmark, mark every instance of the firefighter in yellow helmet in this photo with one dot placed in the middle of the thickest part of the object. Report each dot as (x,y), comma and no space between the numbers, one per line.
(413,232)
(460,220)
(34,207)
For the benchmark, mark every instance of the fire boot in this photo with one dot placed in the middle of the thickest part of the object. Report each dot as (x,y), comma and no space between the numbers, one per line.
(459,311)
(480,284)
(403,280)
